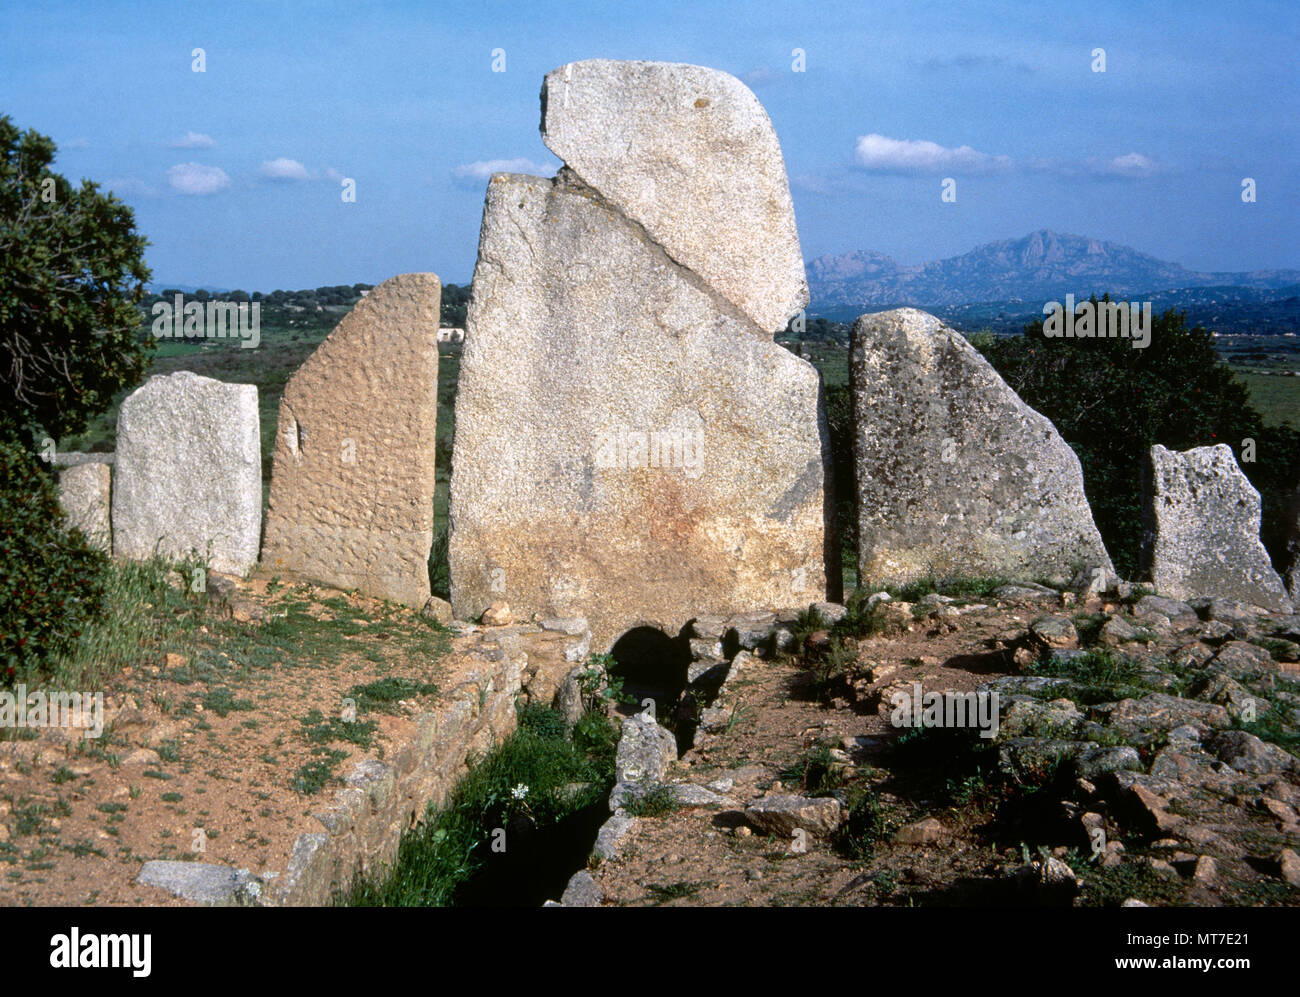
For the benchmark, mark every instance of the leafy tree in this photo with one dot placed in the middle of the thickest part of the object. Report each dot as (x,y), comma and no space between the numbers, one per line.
(71,273)
(1112,402)
(455,304)
(51,580)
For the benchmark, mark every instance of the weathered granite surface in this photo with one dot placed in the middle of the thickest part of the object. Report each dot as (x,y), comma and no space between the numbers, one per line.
(352,484)
(189,472)
(956,474)
(689,153)
(631,447)
(85,494)
(1202,529)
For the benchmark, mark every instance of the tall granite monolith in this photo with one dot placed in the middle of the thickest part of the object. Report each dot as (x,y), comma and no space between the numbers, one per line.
(188,473)
(956,475)
(631,446)
(352,480)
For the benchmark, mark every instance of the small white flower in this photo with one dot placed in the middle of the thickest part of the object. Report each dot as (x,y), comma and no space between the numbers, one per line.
(519,792)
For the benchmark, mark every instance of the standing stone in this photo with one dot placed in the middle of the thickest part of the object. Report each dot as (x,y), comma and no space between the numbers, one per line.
(353,475)
(630,446)
(1202,529)
(189,472)
(85,496)
(690,154)
(957,475)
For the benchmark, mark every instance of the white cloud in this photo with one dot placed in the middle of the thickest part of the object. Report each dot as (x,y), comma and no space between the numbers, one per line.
(1133,164)
(473,174)
(77,143)
(892,155)
(332,174)
(195,178)
(193,140)
(284,169)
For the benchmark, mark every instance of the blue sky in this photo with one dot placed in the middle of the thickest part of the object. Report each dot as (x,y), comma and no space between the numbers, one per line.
(235,172)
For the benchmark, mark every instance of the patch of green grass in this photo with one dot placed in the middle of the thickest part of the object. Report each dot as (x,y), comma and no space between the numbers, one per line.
(829,670)
(1281,650)
(864,826)
(172,797)
(816,772)
(544,721)
(319,730)
(146,613)
(222,701)
(1110,887)
(1088,626)
(384,694)
(29,819)
(529,773)
(659,802)
(1099,674)
(314,776)
(809,622)
(169,750)
(673,891)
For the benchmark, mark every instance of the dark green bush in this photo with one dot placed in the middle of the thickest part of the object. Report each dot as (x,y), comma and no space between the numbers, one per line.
(51,580)
(1111,402)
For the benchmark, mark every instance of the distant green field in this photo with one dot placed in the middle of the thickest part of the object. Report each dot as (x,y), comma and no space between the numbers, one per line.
(1276,398)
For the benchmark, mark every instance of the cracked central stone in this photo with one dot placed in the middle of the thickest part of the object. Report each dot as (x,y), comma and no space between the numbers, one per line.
(630,446)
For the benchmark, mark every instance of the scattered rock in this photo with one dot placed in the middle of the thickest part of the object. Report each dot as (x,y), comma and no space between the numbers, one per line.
(496,615)
(609,839)
(1053,632)
(645,750)
(438,610)
(1247,753)
(203,882)
(929,831)
(781,814)
(582,891)
(1289,866)
(1179,615)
